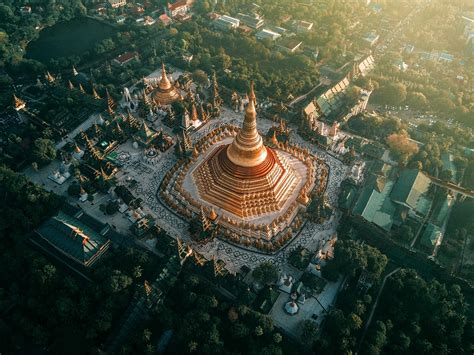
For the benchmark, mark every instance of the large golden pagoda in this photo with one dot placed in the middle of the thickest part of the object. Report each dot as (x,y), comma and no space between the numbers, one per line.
(165,93)
(245,177)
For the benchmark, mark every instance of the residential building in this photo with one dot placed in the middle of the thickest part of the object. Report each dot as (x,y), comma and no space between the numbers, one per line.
(165,20)
(25,10)
(117,3)
(364,66)
(303,26)
(409,48)
(400,65)
(267,34)
(125,58)
(225,22)
(290,45)
(252,21)
(371,38)
(445,57)
(148,21)
(178,8)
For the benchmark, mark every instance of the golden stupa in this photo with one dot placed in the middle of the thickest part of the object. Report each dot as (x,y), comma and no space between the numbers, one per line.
(165,93)
(245,177)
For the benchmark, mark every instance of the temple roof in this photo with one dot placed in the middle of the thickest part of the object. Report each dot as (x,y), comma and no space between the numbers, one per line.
(76,239)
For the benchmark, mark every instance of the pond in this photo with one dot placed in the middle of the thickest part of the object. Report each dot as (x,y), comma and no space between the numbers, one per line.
(68,38)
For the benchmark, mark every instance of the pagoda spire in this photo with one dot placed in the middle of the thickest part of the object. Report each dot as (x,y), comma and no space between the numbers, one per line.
(110,104)
(74,71)
(252,94)
(132,121)
(217,101)
(247,149)
(165,83)
(146,100)
(145,130)
(194,113)
(118,129)
(18,103)
(49,77)
(205,222)
(90,146)
(82,88)
(213,215)
(95,94)
(274,138)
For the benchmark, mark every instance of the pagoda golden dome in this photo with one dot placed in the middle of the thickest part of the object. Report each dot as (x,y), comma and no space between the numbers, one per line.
(245,177)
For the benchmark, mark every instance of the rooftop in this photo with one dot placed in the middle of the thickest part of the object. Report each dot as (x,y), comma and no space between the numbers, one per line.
(80,237)
(410,190)
(373,203)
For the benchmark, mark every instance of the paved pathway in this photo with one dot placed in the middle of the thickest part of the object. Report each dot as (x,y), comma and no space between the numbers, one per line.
(372,311)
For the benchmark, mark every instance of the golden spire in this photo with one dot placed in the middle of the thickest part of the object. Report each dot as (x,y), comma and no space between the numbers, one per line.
(247,149)
(274,138)
(49,77)
(164,82)
(95,94)
(205,224)
(147,287)
(19,103)
(110,104)
(81,88)
(213,215)
(194,113)
(70,85)
(145,130)
(252,94)
(74,71)
(110,100)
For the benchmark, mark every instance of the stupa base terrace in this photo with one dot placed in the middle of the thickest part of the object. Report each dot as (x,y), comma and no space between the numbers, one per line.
(264,221)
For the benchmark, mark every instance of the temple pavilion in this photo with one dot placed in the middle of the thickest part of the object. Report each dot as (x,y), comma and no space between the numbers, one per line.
(145,136)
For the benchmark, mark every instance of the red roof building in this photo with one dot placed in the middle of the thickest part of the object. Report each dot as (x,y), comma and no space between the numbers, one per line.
(178,8)
(125,58)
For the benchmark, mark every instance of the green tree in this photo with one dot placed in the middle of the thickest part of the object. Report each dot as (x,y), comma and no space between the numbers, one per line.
(265,273)
(44,151)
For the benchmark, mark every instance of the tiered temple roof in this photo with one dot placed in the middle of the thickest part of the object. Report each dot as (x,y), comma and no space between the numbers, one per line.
(246,178)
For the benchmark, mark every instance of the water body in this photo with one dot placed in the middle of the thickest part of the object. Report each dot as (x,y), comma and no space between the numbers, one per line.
(68,38)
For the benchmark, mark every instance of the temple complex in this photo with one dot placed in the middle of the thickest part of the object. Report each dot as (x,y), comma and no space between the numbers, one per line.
(255,192)
(166,93)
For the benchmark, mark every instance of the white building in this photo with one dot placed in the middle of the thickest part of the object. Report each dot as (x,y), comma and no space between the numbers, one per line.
(267,34)
(226,22)
(117,3)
